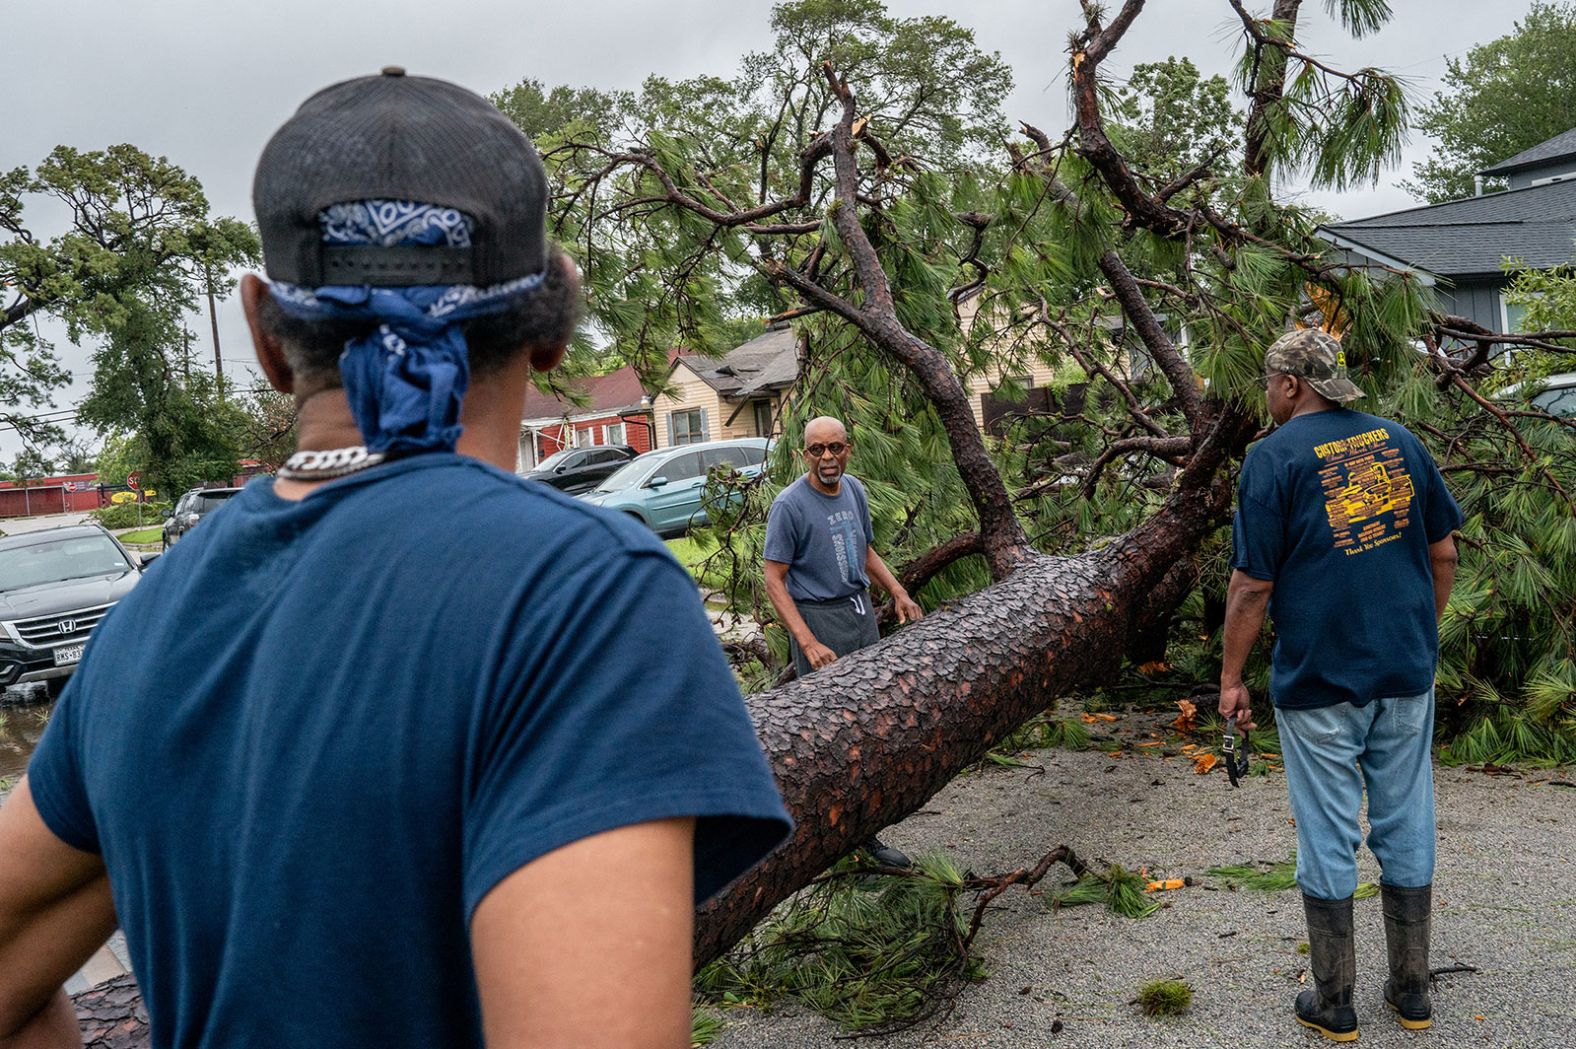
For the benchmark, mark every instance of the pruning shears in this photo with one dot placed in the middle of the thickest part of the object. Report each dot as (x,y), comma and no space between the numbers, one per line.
(1236,756)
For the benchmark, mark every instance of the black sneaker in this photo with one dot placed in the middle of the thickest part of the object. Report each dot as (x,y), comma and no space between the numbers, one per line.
(886,855)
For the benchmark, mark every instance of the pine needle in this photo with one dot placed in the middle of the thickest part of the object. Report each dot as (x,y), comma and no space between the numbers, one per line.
(1274,877)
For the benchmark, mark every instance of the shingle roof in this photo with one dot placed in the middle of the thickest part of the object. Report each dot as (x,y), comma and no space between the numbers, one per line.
(1557,148)
(609,394)
(765,362)
(1475,235)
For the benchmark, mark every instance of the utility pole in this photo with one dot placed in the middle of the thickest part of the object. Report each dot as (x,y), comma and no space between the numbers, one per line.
(186,353)
(213,318)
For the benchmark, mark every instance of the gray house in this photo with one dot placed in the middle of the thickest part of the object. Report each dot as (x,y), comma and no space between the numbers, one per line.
(1460,246)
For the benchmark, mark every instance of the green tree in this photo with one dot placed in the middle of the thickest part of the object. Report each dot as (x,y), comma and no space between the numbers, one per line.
(1505,96)
(1169,120)
(269,435)
(141,249)
(187,431)
(119,456)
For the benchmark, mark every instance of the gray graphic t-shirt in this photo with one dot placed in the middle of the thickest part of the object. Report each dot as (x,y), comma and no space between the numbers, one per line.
(822,538)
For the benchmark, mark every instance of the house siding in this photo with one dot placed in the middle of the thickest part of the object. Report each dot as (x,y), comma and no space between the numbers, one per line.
(690,391)
(1478,301)
(986,382)
(556,436)
(743,424)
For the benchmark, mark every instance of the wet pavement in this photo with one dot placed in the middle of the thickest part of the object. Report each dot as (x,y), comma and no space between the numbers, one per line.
(20,727)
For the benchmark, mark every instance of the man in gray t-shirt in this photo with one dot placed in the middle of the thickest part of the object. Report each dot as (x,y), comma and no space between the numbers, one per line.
(819,563)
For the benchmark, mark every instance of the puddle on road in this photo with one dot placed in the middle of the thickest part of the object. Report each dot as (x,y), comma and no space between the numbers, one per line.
(20,727)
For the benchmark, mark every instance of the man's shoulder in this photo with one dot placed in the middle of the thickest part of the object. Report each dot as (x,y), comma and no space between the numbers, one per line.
(792,494)
(516,510)
(464,515)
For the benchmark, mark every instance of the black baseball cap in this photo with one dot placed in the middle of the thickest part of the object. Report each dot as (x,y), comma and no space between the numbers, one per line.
(398,137)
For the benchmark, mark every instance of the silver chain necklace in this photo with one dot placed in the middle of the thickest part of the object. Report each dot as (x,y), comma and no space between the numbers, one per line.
(328,463)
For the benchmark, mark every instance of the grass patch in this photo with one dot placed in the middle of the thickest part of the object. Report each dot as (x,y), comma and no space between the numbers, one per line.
(689,552)
(1165,998)
(142,535)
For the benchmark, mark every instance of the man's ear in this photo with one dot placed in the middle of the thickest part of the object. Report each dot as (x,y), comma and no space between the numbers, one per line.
(269,353)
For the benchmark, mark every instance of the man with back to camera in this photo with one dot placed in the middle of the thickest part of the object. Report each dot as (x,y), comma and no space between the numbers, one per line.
(417,777)
(819,563)
(1343,530)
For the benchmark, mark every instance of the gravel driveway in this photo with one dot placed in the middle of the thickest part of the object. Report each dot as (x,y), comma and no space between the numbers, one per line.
(1505,902)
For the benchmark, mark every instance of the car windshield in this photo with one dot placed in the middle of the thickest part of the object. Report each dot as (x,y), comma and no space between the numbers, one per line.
(555,459)
(79,557)
(1557,400)
(626,476)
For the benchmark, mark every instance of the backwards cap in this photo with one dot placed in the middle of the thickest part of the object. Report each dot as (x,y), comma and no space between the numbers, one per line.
(398,137)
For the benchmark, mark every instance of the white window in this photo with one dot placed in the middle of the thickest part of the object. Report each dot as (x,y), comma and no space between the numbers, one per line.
(585,437)
(613,433)
(763,418)
(688,427)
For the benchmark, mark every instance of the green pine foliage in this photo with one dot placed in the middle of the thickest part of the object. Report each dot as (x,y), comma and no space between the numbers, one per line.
(868,952)
(993,257)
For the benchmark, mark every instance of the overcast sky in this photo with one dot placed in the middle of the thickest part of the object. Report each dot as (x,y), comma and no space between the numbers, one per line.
(205,83)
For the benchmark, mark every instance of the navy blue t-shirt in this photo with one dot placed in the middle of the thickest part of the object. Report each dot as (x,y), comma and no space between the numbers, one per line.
(822,538)
(1338,509)
(318,733)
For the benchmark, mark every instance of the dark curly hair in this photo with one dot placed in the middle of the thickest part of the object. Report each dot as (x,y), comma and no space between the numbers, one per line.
(544,319)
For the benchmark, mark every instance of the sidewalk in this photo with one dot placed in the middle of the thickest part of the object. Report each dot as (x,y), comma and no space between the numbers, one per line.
(19,525)
(1505,901)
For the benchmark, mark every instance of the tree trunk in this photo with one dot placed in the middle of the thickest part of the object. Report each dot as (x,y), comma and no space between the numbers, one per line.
(867,741)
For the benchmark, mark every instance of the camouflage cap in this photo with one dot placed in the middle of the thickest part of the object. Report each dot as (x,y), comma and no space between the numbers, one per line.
(1316,356)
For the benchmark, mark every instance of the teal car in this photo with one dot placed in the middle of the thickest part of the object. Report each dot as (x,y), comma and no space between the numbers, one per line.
(663,488)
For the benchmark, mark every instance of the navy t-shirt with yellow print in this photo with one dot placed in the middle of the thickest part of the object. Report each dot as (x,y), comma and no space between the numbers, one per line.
(1338,509)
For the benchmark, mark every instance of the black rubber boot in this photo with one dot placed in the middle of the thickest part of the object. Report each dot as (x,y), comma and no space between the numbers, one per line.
(1327,1005)
(886,855)
(1407,918)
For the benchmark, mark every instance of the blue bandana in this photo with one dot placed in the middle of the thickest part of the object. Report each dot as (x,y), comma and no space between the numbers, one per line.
(405,379)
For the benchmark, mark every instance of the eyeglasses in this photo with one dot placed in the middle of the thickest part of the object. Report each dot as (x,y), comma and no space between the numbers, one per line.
(815,451)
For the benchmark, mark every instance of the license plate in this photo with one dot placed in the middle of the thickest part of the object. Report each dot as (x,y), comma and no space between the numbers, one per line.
(65,655)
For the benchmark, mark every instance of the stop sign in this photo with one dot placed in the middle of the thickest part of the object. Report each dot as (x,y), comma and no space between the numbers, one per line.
(133,479)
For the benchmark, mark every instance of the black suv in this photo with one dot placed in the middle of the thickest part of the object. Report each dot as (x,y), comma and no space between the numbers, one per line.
(194,505)
(576,470)
(55,586)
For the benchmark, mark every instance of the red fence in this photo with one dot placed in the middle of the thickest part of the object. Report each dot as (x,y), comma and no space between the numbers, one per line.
(77,493)
(73,493)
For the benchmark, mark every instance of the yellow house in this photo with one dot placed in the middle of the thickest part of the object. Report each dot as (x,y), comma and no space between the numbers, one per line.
(739,394)
(742,393)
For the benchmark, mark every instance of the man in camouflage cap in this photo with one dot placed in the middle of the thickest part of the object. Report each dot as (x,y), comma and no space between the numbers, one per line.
(1343,533)
(1316,356)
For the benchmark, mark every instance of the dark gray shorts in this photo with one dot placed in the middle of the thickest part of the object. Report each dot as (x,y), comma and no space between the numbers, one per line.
(845,625)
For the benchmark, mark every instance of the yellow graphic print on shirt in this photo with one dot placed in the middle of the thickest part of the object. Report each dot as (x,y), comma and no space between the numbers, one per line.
(1367,490)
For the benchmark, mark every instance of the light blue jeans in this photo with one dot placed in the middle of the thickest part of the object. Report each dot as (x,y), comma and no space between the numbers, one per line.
(1331,753)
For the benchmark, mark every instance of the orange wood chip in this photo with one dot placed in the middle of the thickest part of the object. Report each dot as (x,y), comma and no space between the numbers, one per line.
(1186,721)
(1202,763)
